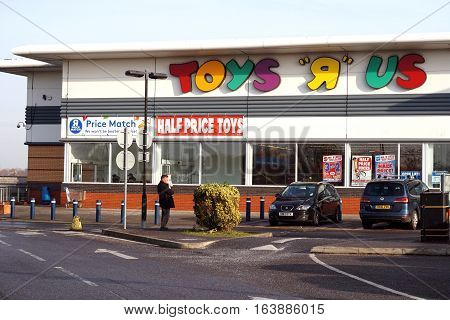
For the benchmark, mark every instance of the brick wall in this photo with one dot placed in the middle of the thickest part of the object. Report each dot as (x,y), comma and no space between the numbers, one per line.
(45,163)
(111,196)
(45,168)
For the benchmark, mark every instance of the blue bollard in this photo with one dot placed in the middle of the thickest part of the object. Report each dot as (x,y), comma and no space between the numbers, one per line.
(261,208)
(247,209)
(75,207)
(53,209)
(13,208)
(156,212)
(122,212)
(98,211)
(32,208)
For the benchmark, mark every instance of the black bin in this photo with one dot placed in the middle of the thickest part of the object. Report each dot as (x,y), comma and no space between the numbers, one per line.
(434,216)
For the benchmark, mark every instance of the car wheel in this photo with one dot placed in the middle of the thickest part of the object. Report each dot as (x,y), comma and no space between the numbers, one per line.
(414,220)
(336,215)
(273,223)
(315,221)
(366,224)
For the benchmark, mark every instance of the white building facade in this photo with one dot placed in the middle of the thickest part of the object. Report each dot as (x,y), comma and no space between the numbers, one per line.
(255,114)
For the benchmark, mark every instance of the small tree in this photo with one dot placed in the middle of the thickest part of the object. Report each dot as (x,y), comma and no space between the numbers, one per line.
(216,206)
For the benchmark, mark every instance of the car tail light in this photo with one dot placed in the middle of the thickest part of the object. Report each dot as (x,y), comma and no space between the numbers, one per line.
(402,200)
(364,200)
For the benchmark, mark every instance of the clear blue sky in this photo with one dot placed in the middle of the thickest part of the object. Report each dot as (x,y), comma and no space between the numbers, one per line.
(93,21)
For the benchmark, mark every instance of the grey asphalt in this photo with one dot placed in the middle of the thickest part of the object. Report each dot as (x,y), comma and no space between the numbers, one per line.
(231,269)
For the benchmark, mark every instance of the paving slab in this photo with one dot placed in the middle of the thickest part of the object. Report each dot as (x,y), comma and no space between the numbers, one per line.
(387,248)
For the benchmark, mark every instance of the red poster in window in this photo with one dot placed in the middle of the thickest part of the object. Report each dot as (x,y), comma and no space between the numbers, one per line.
(217,125)
(332,168)
(361,170)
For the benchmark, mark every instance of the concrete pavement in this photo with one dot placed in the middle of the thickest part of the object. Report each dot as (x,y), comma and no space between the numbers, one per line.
(41,261)
(382,240)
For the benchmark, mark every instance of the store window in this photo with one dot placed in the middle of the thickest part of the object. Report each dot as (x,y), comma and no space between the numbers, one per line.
(89,162)
(371,161)
(411,161)
(223,162)
(439,159)
(321,162)
(273,164)
(181,161)
(134,175)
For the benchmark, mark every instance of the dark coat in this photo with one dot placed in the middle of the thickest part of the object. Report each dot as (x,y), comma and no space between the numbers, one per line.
(165,196)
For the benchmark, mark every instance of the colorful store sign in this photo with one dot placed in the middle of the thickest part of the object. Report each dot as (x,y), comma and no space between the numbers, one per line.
(211,74)
(385,166)
(325,71)
(361,170)
(102,126)
(332,168)
(217,125)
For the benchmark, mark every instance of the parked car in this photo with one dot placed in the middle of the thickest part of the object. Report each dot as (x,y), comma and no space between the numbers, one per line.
(393,200)
(306,201)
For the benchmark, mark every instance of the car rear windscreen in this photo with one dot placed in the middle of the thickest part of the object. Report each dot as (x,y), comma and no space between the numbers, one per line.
(299,191)
(384,189)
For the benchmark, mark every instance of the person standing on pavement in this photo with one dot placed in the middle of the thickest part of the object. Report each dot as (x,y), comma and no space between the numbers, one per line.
(166,201)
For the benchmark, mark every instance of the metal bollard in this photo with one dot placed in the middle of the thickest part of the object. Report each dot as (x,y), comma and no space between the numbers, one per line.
(122,212)
(75,208)
(13,208)
(53,209)
(156,212)
(261,208)
(32,208)
(98,211)
(247,209)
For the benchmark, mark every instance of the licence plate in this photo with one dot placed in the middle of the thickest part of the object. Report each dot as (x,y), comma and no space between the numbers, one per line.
(286,214)
(382,206)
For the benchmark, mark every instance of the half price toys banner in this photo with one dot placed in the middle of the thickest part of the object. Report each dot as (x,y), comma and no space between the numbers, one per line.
(217,125)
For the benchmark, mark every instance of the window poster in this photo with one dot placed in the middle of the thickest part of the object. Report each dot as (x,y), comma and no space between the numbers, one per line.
(385,166)
(361,170)
(332,168)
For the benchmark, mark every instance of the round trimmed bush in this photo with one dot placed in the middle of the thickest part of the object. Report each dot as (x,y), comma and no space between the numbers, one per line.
(216,206)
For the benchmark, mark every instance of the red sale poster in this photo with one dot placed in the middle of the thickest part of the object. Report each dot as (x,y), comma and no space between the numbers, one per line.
(332,168)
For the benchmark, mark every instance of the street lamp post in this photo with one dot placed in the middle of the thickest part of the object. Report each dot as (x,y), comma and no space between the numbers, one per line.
(147,75)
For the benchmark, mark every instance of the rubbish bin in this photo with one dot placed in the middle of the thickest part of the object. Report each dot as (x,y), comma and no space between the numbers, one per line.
(434,216)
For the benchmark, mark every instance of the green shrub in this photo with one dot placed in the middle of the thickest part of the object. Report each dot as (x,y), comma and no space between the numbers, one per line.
(216,206)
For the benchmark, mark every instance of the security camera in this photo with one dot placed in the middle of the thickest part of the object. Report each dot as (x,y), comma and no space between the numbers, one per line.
(18,125)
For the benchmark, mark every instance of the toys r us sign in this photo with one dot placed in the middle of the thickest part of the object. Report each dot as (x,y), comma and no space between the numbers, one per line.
(325,73)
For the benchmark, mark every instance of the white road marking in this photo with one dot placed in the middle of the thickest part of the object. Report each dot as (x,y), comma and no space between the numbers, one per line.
(293,239)
(2,236)
(258,298)
(83,234)
(5,243)
(30,233)
(268,247)
(376,285)
(73,275)
(32,255)
(115,253)
(68,233)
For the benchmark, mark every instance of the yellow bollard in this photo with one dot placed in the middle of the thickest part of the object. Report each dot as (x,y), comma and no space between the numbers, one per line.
(76,224)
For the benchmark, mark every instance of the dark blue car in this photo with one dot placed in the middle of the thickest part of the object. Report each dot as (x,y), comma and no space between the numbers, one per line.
(392,200)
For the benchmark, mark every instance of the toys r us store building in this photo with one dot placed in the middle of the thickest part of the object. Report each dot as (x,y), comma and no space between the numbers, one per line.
(257,114)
